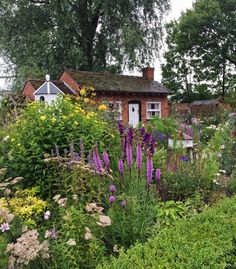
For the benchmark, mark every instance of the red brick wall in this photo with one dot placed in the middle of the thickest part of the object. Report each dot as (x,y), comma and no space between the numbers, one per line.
(124,99)
(69,80)
(143,99)
(28,91)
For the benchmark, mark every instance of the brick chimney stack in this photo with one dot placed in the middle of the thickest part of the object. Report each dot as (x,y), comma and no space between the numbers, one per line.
(148,73)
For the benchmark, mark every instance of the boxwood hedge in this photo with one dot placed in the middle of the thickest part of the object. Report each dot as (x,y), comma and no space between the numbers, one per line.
(204,241)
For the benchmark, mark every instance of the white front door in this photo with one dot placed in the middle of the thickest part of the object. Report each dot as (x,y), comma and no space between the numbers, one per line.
(133,114)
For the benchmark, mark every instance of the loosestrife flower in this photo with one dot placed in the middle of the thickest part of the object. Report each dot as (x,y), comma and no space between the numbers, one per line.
(112,188)
(5,227)
(120,128)
(97,160)
(129,154)
(72,151)
(142,130)
(130,135)
(139,157)
(149,171)
(112,199)
(106,159)
(81,149)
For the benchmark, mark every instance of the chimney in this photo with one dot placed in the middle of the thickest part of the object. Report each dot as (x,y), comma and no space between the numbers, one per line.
(148,73)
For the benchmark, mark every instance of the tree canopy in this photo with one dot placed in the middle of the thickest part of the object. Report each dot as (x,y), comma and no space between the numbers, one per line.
(201,56)
(39,36)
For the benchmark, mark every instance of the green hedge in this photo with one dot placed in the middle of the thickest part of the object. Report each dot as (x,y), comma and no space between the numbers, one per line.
(205,241)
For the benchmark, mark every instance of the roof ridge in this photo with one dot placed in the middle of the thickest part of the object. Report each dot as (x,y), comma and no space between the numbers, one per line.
(108,74)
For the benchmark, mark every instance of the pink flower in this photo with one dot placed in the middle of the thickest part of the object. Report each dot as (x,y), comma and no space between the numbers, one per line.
(5,227)
(123,204)
(112,188)
(47,215)
(222,146)
(112,199)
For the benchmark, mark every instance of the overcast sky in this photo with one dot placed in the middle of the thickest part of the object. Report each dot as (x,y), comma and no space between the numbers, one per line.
(178,6)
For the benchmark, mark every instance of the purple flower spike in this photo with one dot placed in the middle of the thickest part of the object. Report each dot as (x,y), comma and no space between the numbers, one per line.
(123,204)
(112,188)
(97,160)
(106,159)
(121,167)
(130,135)
(158,174)
(72,151)
(139,157)
(142,131)
(112,199)
(149,171)
(120,128)
(81,149)
(129,154)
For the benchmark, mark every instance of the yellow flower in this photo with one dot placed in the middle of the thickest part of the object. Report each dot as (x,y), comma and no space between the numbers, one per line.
(43,118)
(86,100)
(82,92)
(102,107)
(53,120)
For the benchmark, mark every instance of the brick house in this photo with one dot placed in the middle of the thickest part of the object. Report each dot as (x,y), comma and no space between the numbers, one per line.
(135,98)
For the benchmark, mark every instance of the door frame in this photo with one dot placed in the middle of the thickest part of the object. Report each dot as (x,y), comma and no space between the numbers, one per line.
(139,104)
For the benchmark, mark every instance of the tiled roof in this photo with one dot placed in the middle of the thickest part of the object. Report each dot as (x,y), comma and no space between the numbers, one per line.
(204,102)
(59,84)
(117,83)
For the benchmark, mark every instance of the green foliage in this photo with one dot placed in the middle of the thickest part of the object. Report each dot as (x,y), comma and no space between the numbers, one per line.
(3,255)
(204,241)
(70,223)
(132,223)
(171,211)
(200,59)
(187,178)
(232,182)
(42,127)
(72,178)
(165,125)
(70,38)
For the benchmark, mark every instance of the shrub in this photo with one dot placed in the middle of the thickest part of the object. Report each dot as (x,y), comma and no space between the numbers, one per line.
(41,127)
(204,241)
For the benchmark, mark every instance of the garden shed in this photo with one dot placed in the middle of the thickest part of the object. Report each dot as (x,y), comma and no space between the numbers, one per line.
(204,107)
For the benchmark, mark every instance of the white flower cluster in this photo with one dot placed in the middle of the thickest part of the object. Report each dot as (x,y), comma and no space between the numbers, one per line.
(27,248)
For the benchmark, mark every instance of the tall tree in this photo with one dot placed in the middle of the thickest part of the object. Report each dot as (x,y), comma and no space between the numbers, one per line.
(201,56)
(49,35)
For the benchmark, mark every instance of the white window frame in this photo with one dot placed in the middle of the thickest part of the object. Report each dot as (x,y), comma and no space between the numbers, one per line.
(119,110)
(153,110)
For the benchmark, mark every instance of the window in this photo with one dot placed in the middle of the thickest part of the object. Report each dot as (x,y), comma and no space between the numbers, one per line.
(116,107)
(153,110)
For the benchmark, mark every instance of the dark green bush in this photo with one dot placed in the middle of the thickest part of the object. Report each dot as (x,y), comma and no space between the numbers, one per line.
(205,241)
